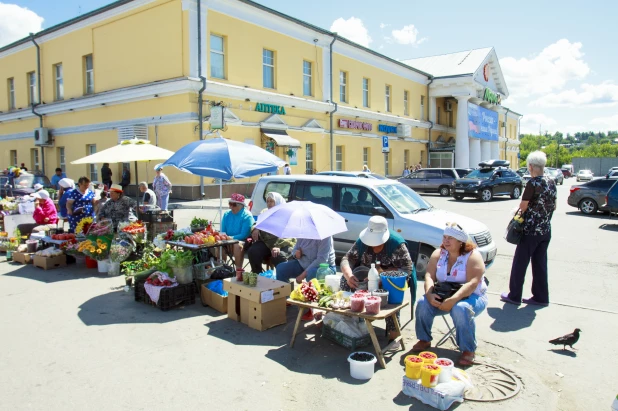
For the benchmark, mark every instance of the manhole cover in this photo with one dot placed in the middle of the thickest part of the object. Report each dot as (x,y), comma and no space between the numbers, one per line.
(491,383)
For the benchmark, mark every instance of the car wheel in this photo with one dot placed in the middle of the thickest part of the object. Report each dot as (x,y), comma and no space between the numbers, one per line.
(486,195)
(458,198)
(588,206)
(422,260)
(444,191)
(516,192)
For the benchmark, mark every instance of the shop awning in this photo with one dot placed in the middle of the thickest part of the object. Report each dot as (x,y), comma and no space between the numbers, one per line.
(281,138)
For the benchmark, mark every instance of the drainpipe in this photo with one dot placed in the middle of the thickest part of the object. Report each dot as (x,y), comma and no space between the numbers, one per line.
(332,161)
(430,122)
(200,99)
(506,115)
(38,86)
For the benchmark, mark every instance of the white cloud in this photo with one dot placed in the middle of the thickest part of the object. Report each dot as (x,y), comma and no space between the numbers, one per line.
(383,26)
(352,29)
(408,35)
(610,123)
(547,71)
(594,95)
(17,22)
(530,123)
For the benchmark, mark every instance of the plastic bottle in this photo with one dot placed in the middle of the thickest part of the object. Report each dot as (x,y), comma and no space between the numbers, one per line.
(323,271)
(374,279)
(615,404)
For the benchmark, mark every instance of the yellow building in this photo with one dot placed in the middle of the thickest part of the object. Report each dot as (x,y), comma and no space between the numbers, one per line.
(133,68)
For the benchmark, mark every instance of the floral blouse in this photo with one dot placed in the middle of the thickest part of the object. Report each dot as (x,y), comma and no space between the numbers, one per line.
(161,185)
(400,259)
(541,193)
(117,211)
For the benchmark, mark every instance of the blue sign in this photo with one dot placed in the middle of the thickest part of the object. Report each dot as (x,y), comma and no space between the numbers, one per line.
(383,128)
(482,123)
(385,148)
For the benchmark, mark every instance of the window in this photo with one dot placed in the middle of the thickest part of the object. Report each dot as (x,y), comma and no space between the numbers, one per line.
(94,173)
(432,174)
(11,90)
(88,75)
(307,83)
(387,99)
(268,68)
(217,57)
(450,119)
(59,82)
(406,109)
(448,174)
(13,158)
(365,92)
(406,158)
(315,192)
(61,159)
(366,157)
(35,159)
(422,107)
(357,200)
(282,188)
(339,158)
(441,160)
(309,160)
(343,86)
(32,88)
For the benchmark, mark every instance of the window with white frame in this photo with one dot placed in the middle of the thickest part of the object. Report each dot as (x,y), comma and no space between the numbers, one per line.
(307,78)
(339,158)
(343,86)
(94,172)
(422,107)
(88,74)
(309,159)
(13,157)
(366,156)
(59,89)
(217,56)
(406,109)
(268,68)
(11,89)
(387,99)
(365,92)
(32,98)
(35,159)
(61,159)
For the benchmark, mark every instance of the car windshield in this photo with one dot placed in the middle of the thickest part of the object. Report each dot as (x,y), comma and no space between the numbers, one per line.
(481,173)
(584,171)
(403,199)
(29,180)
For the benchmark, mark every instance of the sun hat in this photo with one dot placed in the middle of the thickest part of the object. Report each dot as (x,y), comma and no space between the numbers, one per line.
(237,198)
(456,232)
(37,186)
(116,188)
(43,194)
(66,183)
(376,232)
(158,167)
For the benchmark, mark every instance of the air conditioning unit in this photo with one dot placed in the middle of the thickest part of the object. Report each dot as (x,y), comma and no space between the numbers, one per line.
(448,105)
(404,130)
(42,137)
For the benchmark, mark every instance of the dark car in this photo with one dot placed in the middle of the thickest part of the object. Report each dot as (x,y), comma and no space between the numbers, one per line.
(522,171)
(556,174)
(611,199)
(590,197)
(22,185)
(486,182)
(433,180)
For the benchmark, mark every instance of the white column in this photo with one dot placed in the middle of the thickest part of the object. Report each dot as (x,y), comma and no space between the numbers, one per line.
(475,152)
(432,109)
(495,150)
(486,150)
(462,151)
(326,71)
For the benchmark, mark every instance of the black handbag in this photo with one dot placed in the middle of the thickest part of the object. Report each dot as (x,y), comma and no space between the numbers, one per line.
(446,289)
(514,231)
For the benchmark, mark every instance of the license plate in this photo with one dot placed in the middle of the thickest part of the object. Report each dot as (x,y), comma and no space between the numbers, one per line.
(459,191)
(491,254)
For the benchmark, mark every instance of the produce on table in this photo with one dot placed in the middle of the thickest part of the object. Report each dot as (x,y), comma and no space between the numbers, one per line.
(357,303)
(199,222)
(429,375)
(49,252)
(444,362)
(63,237)
(309,291)
(136,227)
(159,280)
(372,305)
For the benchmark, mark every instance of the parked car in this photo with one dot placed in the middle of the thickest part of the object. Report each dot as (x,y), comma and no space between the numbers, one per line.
(611,199)
(22,185)
(356,200)
(556,175)
(526,177)
(362,174)
(612,174)
(522,171)
(433,180)
(568,170)
(590,197)
(584,175)
(487,182)
(612,169)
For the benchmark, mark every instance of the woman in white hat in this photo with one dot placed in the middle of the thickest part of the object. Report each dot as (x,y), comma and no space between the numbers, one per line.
(377,243)
(66,186)
(118,208)
(45,213)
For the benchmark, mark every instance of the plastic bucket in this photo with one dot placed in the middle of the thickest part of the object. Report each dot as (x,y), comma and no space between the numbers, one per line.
(103,266)
(413,366)
(362,370)
(91,262)
(184,275)
(32,245)
(428,357)
(383,296)
(333,281)
(114,269)
(429,375)
(446,374)
(396,287)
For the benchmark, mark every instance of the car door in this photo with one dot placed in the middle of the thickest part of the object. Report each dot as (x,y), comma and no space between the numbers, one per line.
(512,179)
(433,180)
(416,180)
(448,176)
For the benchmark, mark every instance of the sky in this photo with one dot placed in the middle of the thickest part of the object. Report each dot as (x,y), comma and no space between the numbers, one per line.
(558,56)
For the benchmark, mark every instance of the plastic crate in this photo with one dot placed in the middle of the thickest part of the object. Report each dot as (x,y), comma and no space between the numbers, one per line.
(182,294)
(200,272)
(344,340)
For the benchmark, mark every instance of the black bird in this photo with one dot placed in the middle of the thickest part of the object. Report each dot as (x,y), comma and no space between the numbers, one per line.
(568,339)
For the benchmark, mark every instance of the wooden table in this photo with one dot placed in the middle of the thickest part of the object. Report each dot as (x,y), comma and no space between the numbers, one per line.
(390,310)
(202,247)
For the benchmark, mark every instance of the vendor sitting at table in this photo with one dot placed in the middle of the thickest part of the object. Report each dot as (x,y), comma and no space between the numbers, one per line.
(456,261)
(45,215)
(377,243)
(118,208)
(236,224)
(149,199)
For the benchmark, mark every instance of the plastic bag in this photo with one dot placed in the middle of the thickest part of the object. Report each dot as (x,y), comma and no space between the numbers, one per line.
(121,249)
(269,274)
(440,397)
(217,287)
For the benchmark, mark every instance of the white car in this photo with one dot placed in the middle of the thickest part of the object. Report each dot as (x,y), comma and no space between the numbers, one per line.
(526,177)
(584,175)
(357,199)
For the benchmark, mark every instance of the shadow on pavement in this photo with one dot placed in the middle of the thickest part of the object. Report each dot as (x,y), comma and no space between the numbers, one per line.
(609,227)
(512,318)
(68,273)
(580,214)
(566,353)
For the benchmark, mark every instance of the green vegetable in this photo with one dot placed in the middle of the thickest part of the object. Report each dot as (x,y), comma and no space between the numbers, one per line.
(173,258)
(199,222)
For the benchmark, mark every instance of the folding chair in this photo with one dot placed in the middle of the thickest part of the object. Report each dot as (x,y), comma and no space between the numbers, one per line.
(449,335)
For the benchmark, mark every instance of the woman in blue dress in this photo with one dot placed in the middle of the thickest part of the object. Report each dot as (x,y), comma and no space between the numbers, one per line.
(80,203)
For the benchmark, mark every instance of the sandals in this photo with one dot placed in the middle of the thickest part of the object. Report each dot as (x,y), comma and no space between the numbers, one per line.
(466,359)
(421,345)
(505,298)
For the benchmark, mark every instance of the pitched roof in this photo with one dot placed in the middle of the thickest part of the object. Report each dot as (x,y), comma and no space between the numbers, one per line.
(453,64)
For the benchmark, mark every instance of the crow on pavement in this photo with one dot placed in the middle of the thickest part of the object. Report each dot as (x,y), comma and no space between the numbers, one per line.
(568,339)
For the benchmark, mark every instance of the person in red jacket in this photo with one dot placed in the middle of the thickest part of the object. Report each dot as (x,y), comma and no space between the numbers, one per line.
(45,213)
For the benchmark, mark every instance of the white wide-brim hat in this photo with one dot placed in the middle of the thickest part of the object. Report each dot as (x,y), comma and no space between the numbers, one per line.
(376,232)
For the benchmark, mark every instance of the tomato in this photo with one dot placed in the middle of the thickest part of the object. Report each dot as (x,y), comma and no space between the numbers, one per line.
(217,238)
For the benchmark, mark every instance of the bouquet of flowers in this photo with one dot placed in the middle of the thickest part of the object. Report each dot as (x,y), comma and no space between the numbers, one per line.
(71,248)
(100,229)
(97,250)
(136,227)
(119,251)
(84,225)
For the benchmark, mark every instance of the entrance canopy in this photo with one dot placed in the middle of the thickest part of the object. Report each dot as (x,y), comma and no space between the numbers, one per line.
(281,138)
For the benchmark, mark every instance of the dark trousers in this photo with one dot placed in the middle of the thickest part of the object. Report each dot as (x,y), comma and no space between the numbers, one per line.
(258,252)
(530,248)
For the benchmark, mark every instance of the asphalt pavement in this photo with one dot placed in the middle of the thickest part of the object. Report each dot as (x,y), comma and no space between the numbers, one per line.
(72,339)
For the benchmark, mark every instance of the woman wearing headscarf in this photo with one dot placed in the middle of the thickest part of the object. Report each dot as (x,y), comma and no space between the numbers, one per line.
(45,213)
(118,208)
(266,245)
(80,203)
(66,186)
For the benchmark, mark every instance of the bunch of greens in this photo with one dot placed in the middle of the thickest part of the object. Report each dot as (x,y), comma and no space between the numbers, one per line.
(148,261)
(199,222)
(175,258)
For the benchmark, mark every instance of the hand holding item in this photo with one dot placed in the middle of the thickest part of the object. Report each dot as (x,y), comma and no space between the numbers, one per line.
(352,282)
(46,219)
(298,254)
(433,299)
(447,305)
(275,251)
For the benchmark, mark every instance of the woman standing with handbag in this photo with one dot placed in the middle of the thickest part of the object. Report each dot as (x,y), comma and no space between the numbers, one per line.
(537,207)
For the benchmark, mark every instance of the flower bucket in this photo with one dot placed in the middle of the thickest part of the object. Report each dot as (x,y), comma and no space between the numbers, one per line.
(114,269)
(91,263)
(103,266)
(184,275)
(396,287)
(9,256)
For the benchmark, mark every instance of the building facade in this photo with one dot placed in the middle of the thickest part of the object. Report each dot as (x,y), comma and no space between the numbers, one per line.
(318,101)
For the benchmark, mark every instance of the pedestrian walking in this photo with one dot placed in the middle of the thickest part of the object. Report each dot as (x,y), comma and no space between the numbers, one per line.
(126,177)
(287,170)
(106,175)
(162,188)
(537,207)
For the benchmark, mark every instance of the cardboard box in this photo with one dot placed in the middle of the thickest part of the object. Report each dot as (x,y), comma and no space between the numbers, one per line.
(23,258)
(48,263)
(261,307)
(213,300)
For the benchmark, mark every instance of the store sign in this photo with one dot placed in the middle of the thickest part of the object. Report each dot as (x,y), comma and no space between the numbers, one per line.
(355,125)
(482,123)
(269,108)
(383,128)
(216,118)
(492,97)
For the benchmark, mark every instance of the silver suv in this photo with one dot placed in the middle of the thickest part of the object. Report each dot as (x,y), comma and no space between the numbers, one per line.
(433,180)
